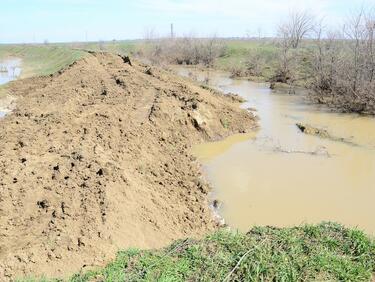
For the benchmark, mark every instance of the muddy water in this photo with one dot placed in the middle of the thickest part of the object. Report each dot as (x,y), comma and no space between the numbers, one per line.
(9,70)
(282,177)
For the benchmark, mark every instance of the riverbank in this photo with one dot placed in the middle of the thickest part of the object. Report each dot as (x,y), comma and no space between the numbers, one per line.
(41,60)
(324,252)
(96,158)
(75,222)
(306,169)
(253,59)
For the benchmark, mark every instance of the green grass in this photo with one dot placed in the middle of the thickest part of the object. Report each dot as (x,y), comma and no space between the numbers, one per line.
(325,252)
(39,60)
(240,52)
(120,47)
(237,53)
(46,59)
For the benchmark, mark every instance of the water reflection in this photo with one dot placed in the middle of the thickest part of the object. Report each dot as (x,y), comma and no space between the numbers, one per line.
(9,70)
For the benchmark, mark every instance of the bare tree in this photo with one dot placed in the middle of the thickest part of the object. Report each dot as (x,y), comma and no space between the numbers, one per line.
(325,58)
(343,65)
(255,63)
(211,49)
(290,34)
(187,50)
(149,34)
(297,27)
(370,31)
(285,61)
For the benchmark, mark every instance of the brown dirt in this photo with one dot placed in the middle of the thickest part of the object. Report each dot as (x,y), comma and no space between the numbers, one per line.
(96,158)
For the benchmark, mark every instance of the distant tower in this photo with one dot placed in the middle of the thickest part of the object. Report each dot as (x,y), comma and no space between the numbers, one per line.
(172,31)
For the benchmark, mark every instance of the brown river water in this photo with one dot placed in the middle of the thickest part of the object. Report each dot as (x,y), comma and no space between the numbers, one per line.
(281,177)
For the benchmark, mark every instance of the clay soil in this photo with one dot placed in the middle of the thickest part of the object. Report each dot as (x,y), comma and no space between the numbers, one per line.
(96,158)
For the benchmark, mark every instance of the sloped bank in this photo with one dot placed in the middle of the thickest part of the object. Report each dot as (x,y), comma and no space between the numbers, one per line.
(95,158)
(324,252)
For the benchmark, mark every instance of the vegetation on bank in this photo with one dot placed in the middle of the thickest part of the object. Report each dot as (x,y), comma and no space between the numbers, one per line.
(241,57)
(338,65)
(39,60)
(327,251)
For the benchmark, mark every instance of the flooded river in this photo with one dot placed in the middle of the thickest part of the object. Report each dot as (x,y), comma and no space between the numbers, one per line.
(282,177)
(9,70)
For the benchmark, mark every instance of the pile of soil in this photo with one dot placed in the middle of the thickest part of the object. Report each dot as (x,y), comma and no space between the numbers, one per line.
(96,158)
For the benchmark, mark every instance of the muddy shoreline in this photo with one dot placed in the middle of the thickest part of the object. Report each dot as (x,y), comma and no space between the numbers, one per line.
(7,104)
(311,152)
(96,158)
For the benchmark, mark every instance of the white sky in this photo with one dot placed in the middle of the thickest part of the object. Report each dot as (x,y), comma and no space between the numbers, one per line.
(71,20)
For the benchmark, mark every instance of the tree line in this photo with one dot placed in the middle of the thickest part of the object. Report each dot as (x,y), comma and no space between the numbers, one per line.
(337,65)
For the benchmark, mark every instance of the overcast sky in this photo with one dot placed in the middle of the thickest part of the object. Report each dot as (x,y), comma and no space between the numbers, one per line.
(75,20)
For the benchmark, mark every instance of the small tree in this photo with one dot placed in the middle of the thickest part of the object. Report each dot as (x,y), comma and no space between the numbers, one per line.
(290,34)
(297,27)
(285,58)
(344,65)
(211,50)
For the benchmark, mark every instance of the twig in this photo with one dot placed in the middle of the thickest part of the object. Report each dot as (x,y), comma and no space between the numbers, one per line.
(314,153)
(184,242)
(241,259)
(237,265)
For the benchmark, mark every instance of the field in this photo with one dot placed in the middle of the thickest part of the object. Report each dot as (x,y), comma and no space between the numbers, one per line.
(40,60)
(239,54)
(46,59)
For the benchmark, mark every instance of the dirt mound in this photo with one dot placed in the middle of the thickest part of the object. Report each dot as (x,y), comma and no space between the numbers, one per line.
(96,158)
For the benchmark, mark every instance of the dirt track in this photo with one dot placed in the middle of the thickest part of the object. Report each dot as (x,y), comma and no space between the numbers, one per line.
(96,158)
